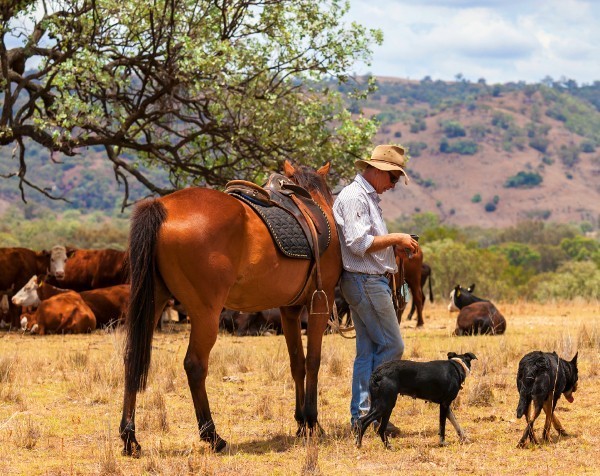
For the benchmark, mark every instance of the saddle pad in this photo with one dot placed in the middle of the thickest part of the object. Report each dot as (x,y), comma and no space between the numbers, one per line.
(283,226)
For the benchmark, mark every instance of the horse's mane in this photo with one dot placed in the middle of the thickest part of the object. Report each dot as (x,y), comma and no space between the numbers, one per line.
(312,181)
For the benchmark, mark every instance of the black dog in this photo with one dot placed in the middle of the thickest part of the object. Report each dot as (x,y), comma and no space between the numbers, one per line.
(541,378)
(438,381)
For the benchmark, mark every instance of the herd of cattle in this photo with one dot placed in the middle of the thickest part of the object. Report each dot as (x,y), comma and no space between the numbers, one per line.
(68,290)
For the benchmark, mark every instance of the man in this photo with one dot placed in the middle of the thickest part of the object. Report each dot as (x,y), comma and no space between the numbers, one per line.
(368,259)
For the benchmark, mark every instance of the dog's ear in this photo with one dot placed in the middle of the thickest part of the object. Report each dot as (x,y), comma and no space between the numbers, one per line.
(451,355)
(471,355)
(574,359)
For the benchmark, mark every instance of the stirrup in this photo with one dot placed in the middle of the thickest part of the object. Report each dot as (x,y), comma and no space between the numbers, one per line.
(312,299)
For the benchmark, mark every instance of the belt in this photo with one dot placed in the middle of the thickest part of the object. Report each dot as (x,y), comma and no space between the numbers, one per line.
(386,275)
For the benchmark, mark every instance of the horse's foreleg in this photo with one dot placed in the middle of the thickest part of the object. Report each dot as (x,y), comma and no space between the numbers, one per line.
(317,323)
(290,321)
(202,339)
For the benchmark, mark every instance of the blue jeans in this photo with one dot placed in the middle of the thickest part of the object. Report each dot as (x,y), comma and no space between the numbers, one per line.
(378,336)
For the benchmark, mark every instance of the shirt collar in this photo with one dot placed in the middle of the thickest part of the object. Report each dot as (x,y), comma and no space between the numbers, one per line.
(359,179)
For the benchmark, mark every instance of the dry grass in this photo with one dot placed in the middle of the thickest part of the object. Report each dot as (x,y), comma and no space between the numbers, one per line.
(60,404)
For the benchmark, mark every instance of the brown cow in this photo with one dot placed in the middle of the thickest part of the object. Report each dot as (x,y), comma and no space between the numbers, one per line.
(256,323)
(108,304)
(64,313)
(409,270)
(479,318)
(5,318)
(93,269)
(17,265)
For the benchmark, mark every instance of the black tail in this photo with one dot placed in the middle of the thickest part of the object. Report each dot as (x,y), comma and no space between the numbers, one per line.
(146,220)
(525,397)
(524,401)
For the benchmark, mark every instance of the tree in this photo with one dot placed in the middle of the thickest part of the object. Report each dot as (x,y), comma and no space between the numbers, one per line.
(206,90)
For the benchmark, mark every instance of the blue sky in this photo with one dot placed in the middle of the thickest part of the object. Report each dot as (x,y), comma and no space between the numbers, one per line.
(499,40)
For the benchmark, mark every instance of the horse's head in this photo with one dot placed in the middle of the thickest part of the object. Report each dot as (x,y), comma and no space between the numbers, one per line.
(312,180)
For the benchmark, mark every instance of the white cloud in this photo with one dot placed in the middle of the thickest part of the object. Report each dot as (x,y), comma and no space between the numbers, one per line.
(497,40)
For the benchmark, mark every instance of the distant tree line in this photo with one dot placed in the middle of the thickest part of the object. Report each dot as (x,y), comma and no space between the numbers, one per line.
(532,260)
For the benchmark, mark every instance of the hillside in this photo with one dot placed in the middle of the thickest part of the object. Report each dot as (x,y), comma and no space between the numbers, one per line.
(480,155)
(522,136)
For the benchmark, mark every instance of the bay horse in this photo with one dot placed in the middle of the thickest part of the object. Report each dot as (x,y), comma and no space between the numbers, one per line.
(209,251)
(409,271)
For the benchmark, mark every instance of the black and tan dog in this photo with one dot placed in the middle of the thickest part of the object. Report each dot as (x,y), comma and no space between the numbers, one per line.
(438,381)
(541,379)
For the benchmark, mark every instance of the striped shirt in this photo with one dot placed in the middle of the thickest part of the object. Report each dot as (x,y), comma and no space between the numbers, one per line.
(359,219)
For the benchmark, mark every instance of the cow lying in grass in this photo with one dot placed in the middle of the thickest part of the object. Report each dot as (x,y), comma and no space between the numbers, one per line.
(475,315)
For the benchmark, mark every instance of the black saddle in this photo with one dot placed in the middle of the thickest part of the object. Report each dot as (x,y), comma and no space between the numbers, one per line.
(275,204)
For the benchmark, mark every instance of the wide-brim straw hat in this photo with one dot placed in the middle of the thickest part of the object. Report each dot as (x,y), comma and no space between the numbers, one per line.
(386,157)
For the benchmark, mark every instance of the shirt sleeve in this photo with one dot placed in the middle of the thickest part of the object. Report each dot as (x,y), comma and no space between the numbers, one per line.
(354,223)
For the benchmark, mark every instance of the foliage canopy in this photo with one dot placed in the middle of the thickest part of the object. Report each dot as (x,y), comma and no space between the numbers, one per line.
(206,90)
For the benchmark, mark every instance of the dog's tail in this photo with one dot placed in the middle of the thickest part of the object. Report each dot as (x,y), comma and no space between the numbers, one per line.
(529,368)
(524,401)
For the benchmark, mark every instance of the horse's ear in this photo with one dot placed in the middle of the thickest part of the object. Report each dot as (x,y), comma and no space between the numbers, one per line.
(574,359)
(288,169)
(324,170)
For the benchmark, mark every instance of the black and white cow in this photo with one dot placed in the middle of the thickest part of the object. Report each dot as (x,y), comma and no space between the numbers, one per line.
(460,298)
(475,315)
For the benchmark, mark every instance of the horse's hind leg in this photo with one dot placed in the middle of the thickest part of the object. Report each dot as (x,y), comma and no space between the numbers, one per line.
(290,321)
(127,426)
(203,335)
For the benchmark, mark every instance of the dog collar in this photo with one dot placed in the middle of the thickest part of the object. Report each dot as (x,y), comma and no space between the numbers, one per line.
(464,366)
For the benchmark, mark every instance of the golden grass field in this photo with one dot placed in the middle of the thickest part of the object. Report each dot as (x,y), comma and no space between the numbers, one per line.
(60,404)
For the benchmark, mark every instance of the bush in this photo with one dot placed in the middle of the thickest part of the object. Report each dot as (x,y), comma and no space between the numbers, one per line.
(587,147)
(524,180)
(502,120)
(415,148)
(476,198)
(462,147)
(453,129)
(539,143)
(490,207)
(571,280)
(569,154)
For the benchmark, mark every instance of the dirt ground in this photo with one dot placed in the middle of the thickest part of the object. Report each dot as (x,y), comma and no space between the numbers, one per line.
(61,396)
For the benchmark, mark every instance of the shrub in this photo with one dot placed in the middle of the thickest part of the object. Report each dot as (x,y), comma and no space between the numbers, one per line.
(476,198)
(462,147)
(415,148)
(524,180)
(490,207)
(453,129)
(539,143)
(569,154)
(588,146)
(502,120)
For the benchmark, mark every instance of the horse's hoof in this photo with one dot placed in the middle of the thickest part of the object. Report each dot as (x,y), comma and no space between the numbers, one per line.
(132,449)
(219,445)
